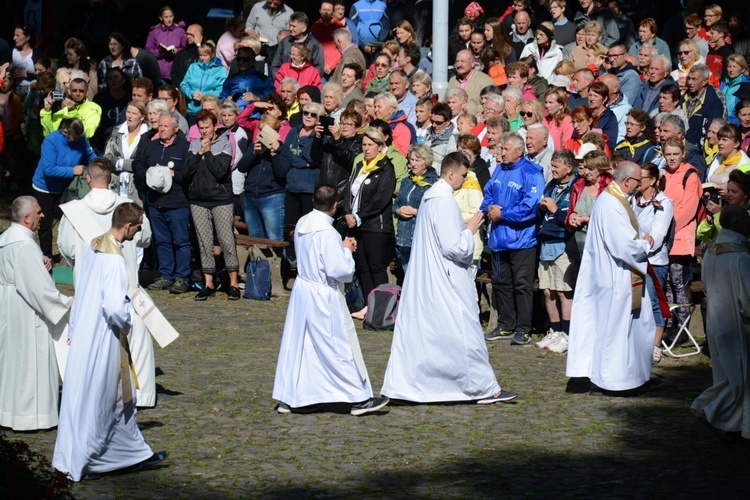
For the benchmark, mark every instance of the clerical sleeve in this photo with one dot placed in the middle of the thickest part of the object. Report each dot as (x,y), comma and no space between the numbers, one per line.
(67,237)
(337,262)
(456,242)
(34,284)
(622,241)
(116,306)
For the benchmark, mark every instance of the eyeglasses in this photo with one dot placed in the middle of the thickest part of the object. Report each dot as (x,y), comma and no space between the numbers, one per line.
(243,59)
(309,113)
(636,179)
(348,124)
(526,114)
(493,110)
(611,56)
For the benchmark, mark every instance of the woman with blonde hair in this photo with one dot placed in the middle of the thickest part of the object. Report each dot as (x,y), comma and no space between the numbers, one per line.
(737,74)
(122,147)
(204,77)
(688,54)
(558,120)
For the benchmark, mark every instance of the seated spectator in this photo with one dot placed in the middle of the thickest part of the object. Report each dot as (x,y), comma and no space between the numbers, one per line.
(299,68)
(688,55)
(265,172)
(350,80)
(640,137)
(165,40)
(441,138)
(77,64)
(605,117)
(544,50)
(386,108)
(737,74)
(557,119)
(647,30)
(119,56)
(423,110)
(247,84)
(234,31)
(74,105)
(518,77)
(333,100)
(204,77)
(208,173)
(421,177)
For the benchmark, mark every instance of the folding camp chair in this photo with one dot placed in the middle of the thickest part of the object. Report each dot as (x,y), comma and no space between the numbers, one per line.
(682,330)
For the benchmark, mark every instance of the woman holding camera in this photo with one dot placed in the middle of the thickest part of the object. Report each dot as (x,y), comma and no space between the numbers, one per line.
(208,169)
(738,193)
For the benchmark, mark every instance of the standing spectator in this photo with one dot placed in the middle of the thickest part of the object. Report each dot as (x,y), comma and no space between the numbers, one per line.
(208,172)
(737,74)
(556,271)
(351,77)
(77,64)
(65,153)
(24,55)
(518,77)
(669,102)
(682,185)
(604,117)
(537,137)
(669,126)
(112,103)
(161,169)
(368,211)
(234,31)
(399,87)
(176,102)
(640,136)
(719,51)
(74,105)
(593,11)
(693,30)
(339,12)
(647,36)
(122,145)
(738,193)
(387,108)
(544,50)
(266,20)
(701,104)
(688,56)
(143,90)
(711,144)
(333,100)
(565,31)
(299,25)
(408,59)
(521,34)
(582,121)
(470,80)
(511,200)
(729,158)
(373,24)
(247,84)
(619,104)
(165,40)
(119,56)
(496,36)
(582,81)
(626,73)
(557,119)
(299,68)
(323,30)
(625,25)
(350,54)
(204,77)
(441,138)
(381,82)
(188,55)
(464,27)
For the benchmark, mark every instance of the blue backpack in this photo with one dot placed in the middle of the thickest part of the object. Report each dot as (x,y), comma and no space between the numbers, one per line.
(373,25)
(258,280)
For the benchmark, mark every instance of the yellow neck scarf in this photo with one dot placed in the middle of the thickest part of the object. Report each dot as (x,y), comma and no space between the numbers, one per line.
(710,151)
(729,162)
(370,166)
(418,180)
(631,146)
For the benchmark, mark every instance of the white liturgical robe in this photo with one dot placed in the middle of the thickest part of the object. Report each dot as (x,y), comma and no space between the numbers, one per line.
(725,272)
(96,209)
(33,310)
(438,351)
(609,342)
(320,360)
(97,432)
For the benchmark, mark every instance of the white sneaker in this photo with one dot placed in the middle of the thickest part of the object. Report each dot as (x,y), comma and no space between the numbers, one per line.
(657,355)
(548,339)
(560,345)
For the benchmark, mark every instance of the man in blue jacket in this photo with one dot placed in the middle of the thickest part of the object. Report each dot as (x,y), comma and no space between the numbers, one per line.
(701,104)
(511,200)
(658,76)
(247,85)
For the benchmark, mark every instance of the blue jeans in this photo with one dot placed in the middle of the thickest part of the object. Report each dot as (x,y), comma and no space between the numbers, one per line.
(170,228)
(661,274)
(403,253)
(265,216)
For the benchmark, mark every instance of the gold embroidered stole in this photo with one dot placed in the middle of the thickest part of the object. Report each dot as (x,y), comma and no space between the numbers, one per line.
(636,278)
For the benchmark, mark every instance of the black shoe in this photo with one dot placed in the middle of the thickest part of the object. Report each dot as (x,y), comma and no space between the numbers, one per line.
(205,293)
(233,293)
(160,284)
(498,334)
(179,286)
(372,404)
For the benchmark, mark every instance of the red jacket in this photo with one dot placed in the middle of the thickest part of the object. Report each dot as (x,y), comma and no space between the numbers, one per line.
(575,194)
(306,75)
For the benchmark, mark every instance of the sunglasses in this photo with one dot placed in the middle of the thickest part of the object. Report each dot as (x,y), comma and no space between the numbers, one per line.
(684,52)
(526,114)
(309,113)
(437,123)
(381,65)
(243,59)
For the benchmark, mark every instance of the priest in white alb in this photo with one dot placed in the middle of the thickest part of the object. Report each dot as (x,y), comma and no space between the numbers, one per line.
(85,219)
(611,339)
(320,361)
(439,353)
(97,432)
(33,310)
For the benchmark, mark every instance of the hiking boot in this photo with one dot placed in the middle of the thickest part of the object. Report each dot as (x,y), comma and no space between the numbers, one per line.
(160,284)
(548,339)
(520,338)
(179,286)
(499,397)
(560,345)
(498,334)
(372,404)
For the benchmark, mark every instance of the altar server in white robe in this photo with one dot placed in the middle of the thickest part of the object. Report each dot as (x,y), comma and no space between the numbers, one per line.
(611,336)
(726,267)
(438,352)
(33,310)
(320,360)
(93,214)
(97,432)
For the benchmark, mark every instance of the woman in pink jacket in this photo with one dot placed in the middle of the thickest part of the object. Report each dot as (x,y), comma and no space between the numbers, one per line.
(299,68)
(558,120)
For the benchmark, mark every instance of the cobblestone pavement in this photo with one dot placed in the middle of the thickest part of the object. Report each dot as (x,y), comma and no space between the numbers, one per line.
(216,418)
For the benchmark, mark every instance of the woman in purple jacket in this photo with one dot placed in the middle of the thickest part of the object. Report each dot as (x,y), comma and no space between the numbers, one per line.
(165,40)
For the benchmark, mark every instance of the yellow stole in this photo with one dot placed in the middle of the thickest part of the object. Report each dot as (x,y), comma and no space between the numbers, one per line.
(108,244)
(636,279)
(370,166)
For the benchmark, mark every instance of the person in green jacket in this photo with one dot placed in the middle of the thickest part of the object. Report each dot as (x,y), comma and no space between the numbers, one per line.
(738,193)
(73,105)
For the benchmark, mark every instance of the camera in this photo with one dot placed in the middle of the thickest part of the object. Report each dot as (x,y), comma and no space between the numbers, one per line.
(711,193)
(58,96)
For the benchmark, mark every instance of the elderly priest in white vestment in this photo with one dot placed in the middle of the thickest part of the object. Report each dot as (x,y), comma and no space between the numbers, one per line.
(82,221)
(33,310)
(611,338)
(98,432)
(438,352)
(320,361)
(726,268)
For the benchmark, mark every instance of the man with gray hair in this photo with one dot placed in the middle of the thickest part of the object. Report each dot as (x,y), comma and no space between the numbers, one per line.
(511,199)
(299,25)
(658,76)
(537,151)
(34,312)
(612,346)
(288,91)
(701,103)
(668,126)
(350,53)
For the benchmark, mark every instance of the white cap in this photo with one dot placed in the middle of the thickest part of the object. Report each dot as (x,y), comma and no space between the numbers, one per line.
(585,148)
(159,179)
(560,81)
